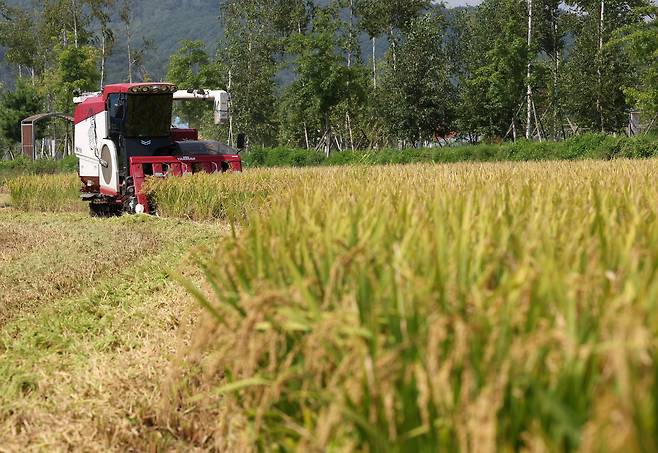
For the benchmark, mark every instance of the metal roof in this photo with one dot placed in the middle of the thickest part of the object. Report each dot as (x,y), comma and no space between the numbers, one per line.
(41,116)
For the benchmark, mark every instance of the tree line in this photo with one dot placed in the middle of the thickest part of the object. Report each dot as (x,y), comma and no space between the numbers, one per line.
(361,74)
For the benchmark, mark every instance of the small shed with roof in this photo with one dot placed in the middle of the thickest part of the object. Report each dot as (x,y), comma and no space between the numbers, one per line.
(28,134)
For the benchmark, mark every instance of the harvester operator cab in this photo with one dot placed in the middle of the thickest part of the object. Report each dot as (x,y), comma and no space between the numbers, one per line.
(140,125)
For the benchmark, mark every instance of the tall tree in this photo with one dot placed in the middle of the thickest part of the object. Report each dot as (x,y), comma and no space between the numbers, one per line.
(247,60)
(597,72)
(417,94)
(101,12)
(640,43)
(126,18)
(323,76)
(388,17)
(190,67)
(76,70)
(529,100)
(550,37)
(493,87)
(15,106)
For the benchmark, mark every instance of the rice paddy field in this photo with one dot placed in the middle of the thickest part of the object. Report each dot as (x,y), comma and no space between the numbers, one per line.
(465,307)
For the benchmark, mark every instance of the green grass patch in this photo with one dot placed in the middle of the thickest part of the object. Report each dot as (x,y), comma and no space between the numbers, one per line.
(23,166)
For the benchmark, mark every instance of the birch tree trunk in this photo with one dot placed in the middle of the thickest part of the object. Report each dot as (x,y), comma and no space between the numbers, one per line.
(599,69)
(306,136)
(75,23)
(327,136)
(393,48)
(230,110)
(558,123)
(349,66)
(374,62)
(103,56)
(130,57)
(528,130)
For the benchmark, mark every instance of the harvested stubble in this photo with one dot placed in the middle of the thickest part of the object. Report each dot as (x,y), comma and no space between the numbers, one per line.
(93,319)
(46,193)
(465,307)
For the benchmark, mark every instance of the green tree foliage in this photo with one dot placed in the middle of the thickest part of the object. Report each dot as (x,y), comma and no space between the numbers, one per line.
(387,16)
(417,95)
(324,79)
(378,17)
(76,71)
(597,71)
(297,75)
(246,61)
(55,46)
(190,67)
(17,105)
(640,42)
(493,90)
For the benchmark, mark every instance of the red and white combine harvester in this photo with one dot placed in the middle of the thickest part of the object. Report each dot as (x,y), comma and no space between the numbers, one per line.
(124,134)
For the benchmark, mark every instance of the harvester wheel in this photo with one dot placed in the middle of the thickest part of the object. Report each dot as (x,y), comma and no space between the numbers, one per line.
(104,210)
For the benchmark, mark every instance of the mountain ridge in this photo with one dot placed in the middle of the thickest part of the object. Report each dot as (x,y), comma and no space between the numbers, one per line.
(165,23)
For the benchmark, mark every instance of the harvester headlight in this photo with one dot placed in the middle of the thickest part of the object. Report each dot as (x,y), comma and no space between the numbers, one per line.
(139,209)
(145,89)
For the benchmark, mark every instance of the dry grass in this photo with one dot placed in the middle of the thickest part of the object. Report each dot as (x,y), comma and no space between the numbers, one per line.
(464,307)
(46,193)
(45,257)
(218,196)
(5,198)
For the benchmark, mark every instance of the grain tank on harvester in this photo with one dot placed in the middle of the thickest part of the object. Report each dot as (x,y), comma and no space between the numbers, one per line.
(124,134)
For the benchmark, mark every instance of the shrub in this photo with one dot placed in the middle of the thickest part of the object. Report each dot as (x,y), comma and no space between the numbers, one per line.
(587,146)
(24,166)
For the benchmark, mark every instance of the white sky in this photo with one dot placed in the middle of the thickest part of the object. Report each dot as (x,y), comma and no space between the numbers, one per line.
(477,2)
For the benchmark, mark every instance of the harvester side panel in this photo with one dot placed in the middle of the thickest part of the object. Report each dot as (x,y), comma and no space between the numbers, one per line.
(89,133)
